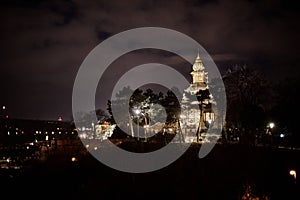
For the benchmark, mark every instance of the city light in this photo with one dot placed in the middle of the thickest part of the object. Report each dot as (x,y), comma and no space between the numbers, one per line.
(271,125)
(137,111)
(293,173)
(73,159)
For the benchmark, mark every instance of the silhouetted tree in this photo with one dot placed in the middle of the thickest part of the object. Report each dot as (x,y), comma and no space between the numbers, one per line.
(248,94)
(284,113)
(172,105)
(204,100)
(87,118)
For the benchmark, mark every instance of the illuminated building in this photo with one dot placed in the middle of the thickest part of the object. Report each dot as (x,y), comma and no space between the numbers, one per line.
(196,114)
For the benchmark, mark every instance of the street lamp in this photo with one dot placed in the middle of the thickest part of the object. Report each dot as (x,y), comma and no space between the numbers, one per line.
(146,126)
(138,112)
(93,131)
(270,126)
(293,173)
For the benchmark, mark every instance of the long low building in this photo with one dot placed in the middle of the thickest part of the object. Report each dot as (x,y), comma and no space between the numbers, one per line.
(28,129)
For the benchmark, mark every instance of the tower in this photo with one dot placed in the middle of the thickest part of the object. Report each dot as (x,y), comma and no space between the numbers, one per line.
(196,113)
(200,77)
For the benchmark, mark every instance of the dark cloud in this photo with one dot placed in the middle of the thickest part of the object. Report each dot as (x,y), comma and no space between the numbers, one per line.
(43,43)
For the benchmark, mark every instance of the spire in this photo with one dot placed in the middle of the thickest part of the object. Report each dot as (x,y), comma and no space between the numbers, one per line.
(200,77)
(198,65)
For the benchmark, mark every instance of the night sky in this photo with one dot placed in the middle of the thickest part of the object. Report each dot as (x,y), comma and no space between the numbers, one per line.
(43,43)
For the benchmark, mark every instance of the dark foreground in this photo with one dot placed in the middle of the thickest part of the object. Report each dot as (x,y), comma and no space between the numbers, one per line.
(223,174)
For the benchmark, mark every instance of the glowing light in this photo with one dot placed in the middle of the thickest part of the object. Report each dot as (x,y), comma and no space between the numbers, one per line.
(281,135)
(293,173)
(271,125)
(137,111)
(73,159)
(83,135)
(3,107)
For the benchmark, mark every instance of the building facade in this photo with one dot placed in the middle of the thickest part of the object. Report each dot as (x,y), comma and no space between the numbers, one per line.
(196,113)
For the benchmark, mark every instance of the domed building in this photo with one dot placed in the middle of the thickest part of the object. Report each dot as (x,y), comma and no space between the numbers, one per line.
(196,113)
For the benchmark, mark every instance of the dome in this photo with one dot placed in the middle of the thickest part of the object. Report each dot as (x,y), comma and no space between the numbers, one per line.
(198,65)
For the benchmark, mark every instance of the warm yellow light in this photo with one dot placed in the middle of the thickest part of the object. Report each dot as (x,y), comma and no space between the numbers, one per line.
(73,159)
(271,125)
(292,172)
